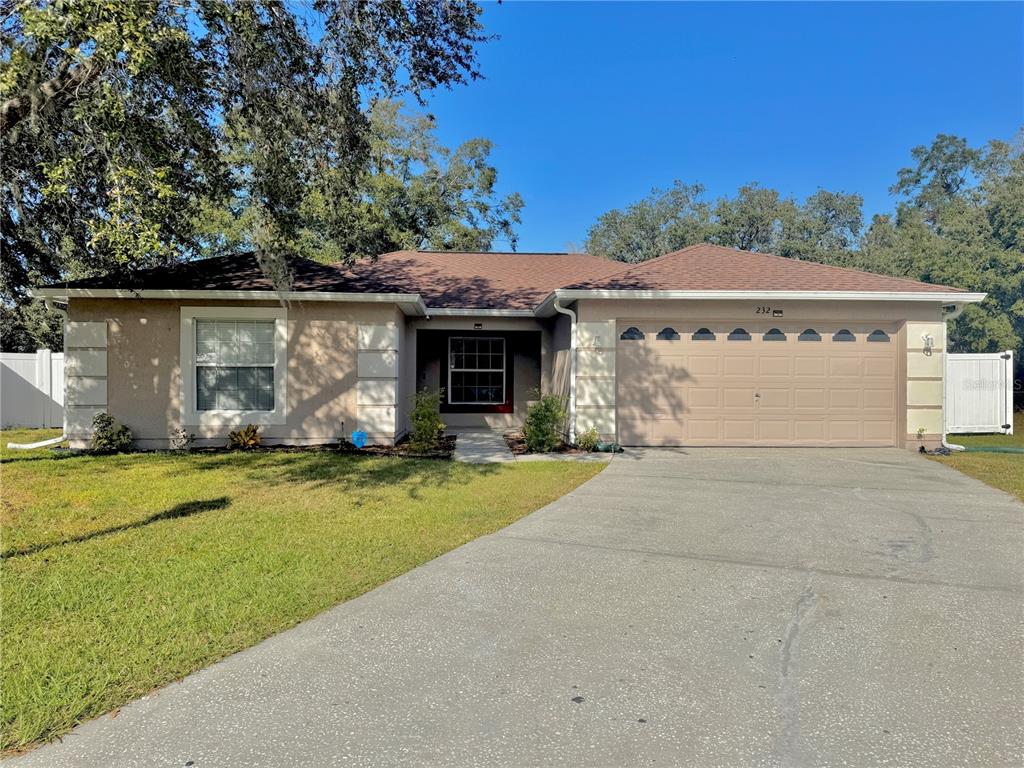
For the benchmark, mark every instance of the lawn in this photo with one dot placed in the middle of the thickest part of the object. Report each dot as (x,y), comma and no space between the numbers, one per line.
(123,573)
(1000,470)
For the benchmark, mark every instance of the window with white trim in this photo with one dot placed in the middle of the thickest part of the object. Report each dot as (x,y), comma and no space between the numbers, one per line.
(234,365)
(476,370)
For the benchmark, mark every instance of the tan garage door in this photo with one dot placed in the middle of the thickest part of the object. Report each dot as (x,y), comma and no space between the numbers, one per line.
(684,383)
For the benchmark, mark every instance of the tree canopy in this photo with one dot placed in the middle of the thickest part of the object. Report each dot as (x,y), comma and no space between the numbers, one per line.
(958,220)
(115,118)
(412,193)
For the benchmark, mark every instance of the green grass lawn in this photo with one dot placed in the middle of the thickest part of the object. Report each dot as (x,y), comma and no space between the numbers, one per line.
(123,573)
(1000,470)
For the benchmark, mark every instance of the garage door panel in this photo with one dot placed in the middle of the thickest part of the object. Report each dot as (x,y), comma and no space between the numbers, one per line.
(772,365)
(844,399)
(705,397)
(739,430)
(844,431)
(756,392)
(880,431)
(703,430)
(809,430)
(806,397)
(880,367)
(667,430)
(844,366)
(738,398)
(704,365)
(809,366)
(775,398)
(739,366)
(883,399)
(775,431)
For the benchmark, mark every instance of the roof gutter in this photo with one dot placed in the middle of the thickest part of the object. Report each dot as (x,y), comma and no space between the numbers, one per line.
(575,294)
(412,303)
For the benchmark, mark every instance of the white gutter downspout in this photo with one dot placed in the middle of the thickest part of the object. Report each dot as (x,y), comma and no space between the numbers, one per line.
(958,308)
(572,366)
(51,307)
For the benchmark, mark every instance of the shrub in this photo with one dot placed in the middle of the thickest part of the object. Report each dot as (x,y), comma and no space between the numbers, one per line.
(542,429)
(427,427)
(588,440)
(244,438)
(181,440)
(110,436)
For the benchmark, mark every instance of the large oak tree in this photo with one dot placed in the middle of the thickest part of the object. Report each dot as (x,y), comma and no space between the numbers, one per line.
(118,119)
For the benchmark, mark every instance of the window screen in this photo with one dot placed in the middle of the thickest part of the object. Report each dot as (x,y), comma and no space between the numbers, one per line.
(235,365)
(476,371)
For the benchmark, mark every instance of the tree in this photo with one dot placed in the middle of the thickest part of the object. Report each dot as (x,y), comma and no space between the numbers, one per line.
(114,118)
(757,219)
(825,228)
(413,193)
(664,221)
(961,223)
(29,327)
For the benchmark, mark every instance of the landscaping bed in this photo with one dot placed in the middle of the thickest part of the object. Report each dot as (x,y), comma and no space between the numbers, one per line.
(517,444)
(445,449)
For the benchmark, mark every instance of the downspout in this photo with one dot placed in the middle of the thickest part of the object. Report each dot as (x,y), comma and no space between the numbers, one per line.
(51,307)
(952,315)
(572,366)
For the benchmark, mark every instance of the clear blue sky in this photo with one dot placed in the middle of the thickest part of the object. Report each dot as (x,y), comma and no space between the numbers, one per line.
(591,105)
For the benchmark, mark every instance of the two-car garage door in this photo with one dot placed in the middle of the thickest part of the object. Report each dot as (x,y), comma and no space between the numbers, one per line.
(686,383)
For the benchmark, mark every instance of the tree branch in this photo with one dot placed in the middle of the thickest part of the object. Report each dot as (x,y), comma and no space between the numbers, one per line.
(58,90)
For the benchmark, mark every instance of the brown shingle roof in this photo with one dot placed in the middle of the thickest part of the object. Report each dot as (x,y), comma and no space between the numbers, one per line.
(513,280)
(705,267)
(480,280)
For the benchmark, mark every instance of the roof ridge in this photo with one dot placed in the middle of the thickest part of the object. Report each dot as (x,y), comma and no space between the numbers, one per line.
(854,270)
(637,264)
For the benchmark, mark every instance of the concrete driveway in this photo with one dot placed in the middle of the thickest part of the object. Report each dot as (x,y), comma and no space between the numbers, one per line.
(724,607)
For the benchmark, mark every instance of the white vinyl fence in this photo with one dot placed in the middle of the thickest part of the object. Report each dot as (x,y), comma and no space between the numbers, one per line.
(32,389)
(979,393)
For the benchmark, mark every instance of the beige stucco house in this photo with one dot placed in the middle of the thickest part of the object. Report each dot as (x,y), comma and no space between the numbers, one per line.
(703,346)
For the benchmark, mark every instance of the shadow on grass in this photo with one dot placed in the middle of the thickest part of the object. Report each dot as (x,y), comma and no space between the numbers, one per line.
(34,455)
(347,473)
(186,509)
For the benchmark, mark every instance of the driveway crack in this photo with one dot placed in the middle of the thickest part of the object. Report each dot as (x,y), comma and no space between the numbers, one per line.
(787,740)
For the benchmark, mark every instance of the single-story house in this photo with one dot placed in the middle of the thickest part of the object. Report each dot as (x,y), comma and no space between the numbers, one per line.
(703,346)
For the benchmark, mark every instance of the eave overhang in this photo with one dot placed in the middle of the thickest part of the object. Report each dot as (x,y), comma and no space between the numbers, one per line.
(546,308)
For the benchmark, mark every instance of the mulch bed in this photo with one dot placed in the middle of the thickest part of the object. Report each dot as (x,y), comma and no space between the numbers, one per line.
(445,451)
(403,449)
(517,445)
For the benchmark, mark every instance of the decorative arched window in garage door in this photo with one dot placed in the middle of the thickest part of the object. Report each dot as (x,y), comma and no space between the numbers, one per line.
(668,333)
(632,334)
(703,334)
(809,335)
(878,336)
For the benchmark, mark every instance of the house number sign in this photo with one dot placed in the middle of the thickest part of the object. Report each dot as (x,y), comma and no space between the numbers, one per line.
(766,310)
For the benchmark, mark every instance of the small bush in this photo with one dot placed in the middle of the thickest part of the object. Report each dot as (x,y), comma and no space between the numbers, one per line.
(245,438)
(427,427)
(542,429)
(588,440)
(181,440)
(110,436)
